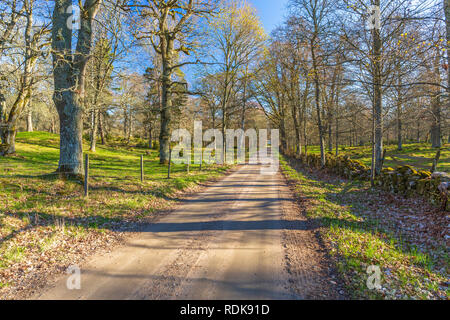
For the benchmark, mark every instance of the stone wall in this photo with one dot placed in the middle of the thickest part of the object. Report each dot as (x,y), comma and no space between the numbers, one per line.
(403,180)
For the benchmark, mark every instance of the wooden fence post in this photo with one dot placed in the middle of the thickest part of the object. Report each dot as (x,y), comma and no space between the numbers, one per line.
(170,160)
(436,161)
(86,175)
(187,167)
(142,168)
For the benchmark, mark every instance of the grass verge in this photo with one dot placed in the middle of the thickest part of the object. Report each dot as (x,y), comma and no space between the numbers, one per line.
(359,236)
(45,222)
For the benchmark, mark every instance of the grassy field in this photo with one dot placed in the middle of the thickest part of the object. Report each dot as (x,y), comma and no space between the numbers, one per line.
(365,227)
(43,218)
(419,155)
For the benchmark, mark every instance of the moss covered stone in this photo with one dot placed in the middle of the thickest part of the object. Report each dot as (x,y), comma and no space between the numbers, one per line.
(424,174)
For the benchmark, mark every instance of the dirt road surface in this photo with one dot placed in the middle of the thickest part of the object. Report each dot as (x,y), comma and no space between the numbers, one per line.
(241,238)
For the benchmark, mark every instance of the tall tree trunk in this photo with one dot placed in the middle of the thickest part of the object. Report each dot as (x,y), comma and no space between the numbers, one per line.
(418,131)
(69,71)
(224,104)
(166,101)
(283,137)
(436,124)
(305,136)
(8,128)
(436,105)
(399,112)
(150,137)
(399,130)
(373,164)
(330,133)
(71,128)
(125,123)
(29,121)
(130,126)
(244,99)
(447,24)
(337,81)
(317,100)
(298,138)
(94,127)
(52,125)
(8,125)
(295,116)
(8,137)
(304,105)
(2,107)
(377,103)
(336,134)
(101,127)
(2,118)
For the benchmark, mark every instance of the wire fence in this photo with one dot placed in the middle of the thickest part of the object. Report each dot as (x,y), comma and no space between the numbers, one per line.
(97,168)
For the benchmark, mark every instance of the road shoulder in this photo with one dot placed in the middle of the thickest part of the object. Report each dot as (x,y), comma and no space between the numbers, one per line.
(311,271)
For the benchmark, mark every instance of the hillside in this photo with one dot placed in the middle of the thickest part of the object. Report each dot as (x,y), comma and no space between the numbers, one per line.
(45,222)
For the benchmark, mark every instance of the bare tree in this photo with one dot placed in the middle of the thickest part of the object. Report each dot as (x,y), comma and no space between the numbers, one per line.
(169,26)
(447,24)
(316,16)
(108,49)
(30,51)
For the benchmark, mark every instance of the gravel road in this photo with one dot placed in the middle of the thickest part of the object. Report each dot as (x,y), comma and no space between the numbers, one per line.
(243,237)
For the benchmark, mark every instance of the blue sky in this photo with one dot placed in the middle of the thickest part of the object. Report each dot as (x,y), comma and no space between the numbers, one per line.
(271,12)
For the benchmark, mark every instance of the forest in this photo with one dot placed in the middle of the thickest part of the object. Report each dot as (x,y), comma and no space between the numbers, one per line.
(358,89)
(322,77)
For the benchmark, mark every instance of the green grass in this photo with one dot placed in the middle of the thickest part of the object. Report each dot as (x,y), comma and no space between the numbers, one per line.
(419,155)
(357,240)
(39,211)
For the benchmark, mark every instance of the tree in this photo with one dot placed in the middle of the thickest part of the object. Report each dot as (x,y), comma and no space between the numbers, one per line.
(270,91)
(372,51)
(169,27)
(235,39)
(30,50)
(315,16)
(69,75)
(447,24)
(153,105)
(10,13)
(107,50)
(436,99)
(209,87)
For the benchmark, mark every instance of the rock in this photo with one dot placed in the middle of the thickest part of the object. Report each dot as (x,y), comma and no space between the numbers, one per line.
(444,177)
(424,174)
(406,170)
(443,187)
